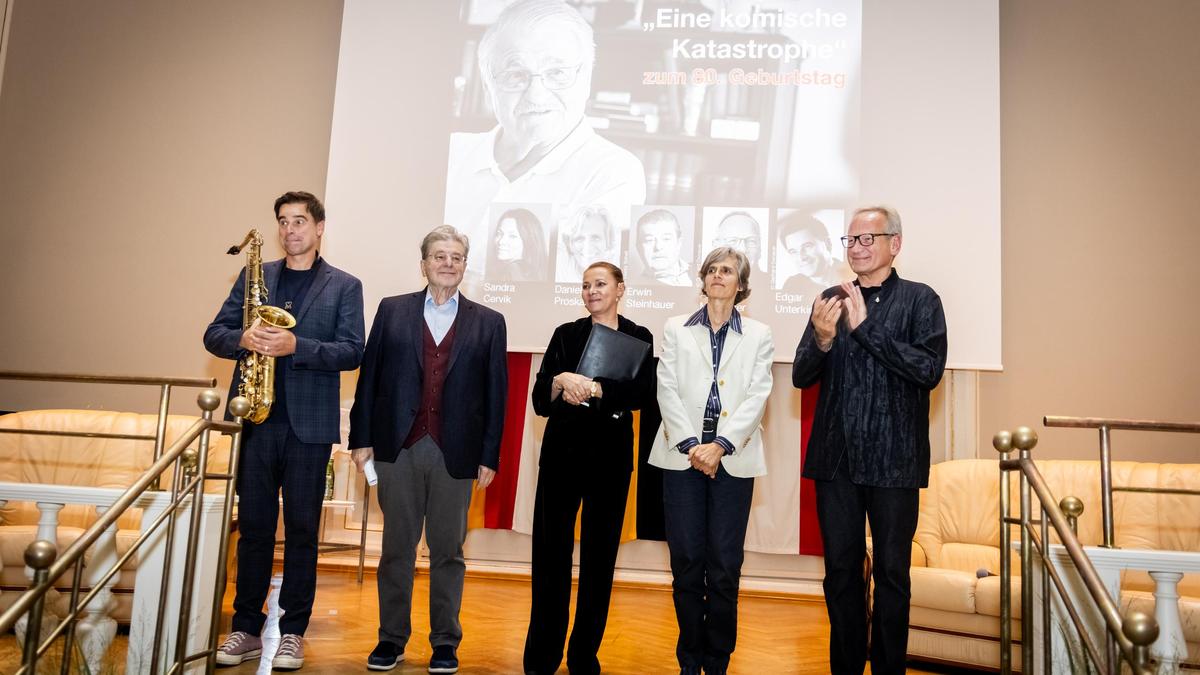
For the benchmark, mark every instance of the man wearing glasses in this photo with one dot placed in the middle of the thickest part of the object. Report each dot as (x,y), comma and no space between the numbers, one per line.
(428,414)
(536,63)
(877,346)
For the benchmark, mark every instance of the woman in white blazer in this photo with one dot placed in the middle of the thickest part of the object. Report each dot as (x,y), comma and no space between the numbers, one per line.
(713,381)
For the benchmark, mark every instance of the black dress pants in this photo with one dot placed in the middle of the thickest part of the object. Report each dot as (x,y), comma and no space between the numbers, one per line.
(706,520)
(560,491)
(842,507)
(274,460)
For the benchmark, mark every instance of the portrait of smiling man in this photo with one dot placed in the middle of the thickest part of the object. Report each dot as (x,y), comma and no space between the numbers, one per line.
(535,63)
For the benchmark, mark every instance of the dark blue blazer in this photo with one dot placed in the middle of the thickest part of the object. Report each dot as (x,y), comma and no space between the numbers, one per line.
(329,339)
(474,394)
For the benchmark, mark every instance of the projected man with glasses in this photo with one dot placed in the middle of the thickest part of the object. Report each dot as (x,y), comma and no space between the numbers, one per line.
(877,346)
(536,67)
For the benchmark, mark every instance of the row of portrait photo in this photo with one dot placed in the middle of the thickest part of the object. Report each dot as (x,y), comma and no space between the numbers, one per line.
(794,251)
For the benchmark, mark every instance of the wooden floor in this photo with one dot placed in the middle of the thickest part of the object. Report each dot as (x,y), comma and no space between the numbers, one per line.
(774,635)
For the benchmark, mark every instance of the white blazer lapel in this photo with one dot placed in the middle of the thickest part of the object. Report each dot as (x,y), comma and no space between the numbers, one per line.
(732,340)
(704,348)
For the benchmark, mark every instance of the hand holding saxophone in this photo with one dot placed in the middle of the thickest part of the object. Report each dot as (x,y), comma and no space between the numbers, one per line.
(268,340)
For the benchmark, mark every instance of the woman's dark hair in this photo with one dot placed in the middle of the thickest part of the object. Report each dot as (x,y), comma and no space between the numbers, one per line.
(533,262)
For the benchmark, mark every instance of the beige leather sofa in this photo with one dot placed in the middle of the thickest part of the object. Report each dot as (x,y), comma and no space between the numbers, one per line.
(955,616)
(92,462)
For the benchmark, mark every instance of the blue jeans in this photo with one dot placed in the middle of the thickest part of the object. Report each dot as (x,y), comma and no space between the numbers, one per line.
(706,522)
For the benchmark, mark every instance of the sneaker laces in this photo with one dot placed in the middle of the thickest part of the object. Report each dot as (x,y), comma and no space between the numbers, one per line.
(290,645)
(232,642)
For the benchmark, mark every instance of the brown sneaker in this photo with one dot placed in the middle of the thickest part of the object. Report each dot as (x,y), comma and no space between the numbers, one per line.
(290,655)
(238,646)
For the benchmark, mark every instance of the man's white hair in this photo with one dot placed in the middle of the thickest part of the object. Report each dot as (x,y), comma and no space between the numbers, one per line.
(530,14)
(892,216)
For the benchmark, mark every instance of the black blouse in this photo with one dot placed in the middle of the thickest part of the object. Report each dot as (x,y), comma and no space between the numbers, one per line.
(575,433)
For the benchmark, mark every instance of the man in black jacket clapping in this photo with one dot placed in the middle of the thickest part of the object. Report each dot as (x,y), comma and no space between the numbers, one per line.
(877,346)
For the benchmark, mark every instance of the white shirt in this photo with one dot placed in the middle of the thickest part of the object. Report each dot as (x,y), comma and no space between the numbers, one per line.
(583,169)
(439,318)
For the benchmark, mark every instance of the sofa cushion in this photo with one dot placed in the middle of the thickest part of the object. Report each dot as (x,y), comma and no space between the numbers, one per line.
(987,595)
(948,590)
(957,622)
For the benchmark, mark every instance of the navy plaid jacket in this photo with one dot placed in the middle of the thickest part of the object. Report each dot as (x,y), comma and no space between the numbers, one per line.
(329,339)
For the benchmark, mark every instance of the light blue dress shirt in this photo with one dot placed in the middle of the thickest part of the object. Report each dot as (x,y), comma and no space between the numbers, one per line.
(439,318)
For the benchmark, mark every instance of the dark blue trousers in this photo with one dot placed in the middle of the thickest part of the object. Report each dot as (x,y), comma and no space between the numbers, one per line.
(274,460)
(842,508)
(706,522)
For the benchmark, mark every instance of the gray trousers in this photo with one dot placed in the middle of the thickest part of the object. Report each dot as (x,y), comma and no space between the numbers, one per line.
(416,489)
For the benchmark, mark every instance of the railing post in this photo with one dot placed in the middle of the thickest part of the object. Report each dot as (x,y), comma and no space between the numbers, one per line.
(1025,439)
(1002,442)
(1142,631)
(208,400)
(39,556)
(1106,505)
(160,428)
(239,407)
(1072,508)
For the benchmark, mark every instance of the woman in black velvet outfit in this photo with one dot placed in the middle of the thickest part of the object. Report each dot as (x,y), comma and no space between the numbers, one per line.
(587,457)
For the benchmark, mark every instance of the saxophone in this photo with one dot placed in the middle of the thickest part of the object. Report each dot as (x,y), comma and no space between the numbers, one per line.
(257,371)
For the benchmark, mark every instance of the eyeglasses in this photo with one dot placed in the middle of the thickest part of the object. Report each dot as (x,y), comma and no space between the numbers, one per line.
(866,239)
(517,80)
(739,243)
(442,258)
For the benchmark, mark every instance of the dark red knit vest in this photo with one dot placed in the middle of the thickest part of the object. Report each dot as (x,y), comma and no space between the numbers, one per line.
(429,414)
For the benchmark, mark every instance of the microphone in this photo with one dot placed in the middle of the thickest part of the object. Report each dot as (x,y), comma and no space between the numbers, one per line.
(369,472)
(981,573)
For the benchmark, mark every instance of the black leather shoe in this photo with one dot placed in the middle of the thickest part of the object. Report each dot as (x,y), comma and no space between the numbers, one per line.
(385,656)
(443,660)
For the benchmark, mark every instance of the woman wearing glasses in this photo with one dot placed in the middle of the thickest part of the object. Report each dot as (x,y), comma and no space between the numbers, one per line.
(714,377)
(586,458)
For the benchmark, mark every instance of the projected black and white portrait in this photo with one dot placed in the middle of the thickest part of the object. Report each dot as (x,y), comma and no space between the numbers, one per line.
(534,69)
(660,246)
(806,260)
(588,236)
(517,247)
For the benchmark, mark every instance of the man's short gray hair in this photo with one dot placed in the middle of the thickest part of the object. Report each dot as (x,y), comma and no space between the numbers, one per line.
(741,262)
(892,216)
(444,233)
(532,14)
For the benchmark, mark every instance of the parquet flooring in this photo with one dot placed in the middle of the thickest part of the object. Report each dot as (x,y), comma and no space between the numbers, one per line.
(774,635)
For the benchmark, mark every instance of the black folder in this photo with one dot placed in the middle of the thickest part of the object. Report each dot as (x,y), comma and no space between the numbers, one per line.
(612,355)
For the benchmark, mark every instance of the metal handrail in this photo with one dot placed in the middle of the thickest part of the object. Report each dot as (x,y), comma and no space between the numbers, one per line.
(1106,425)
(41,555)
(1131,636)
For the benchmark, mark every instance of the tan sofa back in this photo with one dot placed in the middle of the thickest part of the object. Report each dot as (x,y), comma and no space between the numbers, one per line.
(959,519)
(94,462)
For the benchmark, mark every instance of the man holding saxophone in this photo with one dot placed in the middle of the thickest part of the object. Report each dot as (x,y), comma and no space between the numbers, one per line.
(288,450)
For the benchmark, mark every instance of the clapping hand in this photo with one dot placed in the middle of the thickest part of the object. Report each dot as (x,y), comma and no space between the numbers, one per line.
(825,315)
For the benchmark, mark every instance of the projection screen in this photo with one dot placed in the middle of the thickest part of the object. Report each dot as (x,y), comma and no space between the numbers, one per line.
(646,132)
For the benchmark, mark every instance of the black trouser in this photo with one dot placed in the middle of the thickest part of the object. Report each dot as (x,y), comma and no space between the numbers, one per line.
(706,521)
(273,459)
(842,507)
(559,494)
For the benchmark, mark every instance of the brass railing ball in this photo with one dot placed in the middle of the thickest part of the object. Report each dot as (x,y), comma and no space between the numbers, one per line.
(1071,506)
(239,406)
(190,459)
(1024,438)
(208,400)
(1140,628)
(40,554)
(1002,441)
